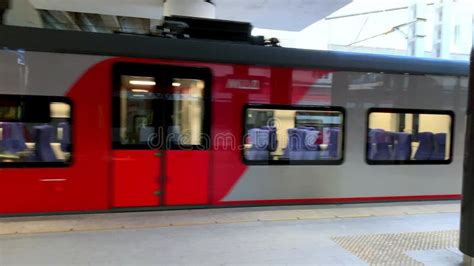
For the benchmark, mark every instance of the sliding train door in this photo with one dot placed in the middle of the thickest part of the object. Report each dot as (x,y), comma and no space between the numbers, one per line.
(160,135)
(186,126)
(137,115)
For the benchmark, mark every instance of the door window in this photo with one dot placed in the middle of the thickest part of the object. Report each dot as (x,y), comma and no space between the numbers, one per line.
(158,107)
(137,109)
(186,119)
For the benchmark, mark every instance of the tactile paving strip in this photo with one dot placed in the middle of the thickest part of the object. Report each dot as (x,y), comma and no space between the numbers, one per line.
(390,249)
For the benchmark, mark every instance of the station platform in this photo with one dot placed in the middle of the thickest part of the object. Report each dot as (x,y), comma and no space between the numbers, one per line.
(404,233)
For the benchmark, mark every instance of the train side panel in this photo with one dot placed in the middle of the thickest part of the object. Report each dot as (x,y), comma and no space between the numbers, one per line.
(88,183)
(355,180)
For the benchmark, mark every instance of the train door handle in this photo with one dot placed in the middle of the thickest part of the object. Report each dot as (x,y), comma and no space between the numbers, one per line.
(159,154)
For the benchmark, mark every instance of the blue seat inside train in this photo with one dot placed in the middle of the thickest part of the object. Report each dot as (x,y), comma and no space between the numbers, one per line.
(260,141)
(386,145)
(13,141)
(296,147)
(66,136)
(439,152)
(302,144)
(425,147)
(401,146)
(13,137)
(43,136)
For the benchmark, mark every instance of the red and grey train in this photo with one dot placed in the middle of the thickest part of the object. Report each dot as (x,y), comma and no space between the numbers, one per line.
(93,122)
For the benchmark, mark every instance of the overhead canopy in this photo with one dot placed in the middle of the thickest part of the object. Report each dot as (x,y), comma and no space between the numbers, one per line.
(290,15)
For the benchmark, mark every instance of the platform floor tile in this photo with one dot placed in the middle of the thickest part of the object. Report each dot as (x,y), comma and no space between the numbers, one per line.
(422,239)
(111,221)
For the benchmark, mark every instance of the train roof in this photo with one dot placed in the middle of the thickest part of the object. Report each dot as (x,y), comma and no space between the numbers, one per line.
(63,41)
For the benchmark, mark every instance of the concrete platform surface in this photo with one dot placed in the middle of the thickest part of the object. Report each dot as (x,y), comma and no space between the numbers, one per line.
(409,233)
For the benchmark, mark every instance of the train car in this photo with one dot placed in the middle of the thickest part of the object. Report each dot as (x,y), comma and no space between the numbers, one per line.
(97,122)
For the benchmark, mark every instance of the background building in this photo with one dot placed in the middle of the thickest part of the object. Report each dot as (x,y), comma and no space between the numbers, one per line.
(440,28)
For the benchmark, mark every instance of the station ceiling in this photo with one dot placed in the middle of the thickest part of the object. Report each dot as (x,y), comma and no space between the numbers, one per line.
(137,15)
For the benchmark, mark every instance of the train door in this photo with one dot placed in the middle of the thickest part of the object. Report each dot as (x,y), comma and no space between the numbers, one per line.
(161,135)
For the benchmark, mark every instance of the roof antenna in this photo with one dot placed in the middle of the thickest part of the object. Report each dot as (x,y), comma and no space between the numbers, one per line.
(173,29)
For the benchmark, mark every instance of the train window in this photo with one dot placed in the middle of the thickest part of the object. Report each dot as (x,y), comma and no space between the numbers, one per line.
(29,140)
(138,109)
(403,136)
(186,100)
(293,135)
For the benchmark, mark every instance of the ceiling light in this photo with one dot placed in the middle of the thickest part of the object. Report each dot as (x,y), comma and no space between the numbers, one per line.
(176,84)
(140,90)
(142,82)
